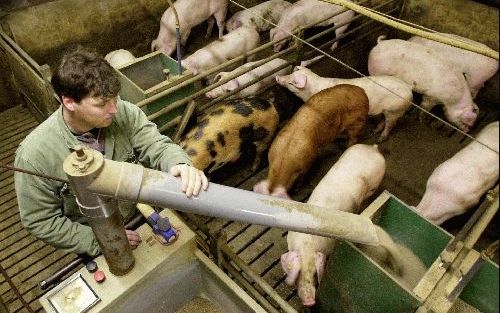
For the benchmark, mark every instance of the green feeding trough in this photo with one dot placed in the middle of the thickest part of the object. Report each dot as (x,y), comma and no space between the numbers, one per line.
(149,75)
(354,283)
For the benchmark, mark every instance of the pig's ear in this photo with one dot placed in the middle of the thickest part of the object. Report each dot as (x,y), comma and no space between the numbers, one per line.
(299,81)
(232,85)
(298,67)
(320,264)
(290,262)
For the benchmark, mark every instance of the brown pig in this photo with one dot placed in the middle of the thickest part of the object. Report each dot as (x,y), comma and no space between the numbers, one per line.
(230,130)
(316,124)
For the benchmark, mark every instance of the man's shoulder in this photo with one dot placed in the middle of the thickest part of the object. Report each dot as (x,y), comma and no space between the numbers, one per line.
(37,143)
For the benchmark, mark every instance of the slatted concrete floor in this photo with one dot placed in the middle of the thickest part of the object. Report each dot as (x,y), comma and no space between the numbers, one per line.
(412,151)
(26,260)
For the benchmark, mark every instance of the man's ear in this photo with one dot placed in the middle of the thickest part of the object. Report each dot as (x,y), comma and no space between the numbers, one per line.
(69,103)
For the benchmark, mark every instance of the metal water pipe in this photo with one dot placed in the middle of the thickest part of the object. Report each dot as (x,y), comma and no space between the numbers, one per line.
(135,183)
(101,211)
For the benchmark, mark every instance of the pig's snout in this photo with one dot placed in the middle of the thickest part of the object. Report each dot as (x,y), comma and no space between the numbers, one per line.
(307,296)
(210,94)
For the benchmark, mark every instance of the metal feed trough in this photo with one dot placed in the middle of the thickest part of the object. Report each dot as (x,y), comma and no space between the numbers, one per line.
(147,76)
(145,82)
(362,286)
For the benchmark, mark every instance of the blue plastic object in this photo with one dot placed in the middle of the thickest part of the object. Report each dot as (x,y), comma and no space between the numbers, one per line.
(162,227)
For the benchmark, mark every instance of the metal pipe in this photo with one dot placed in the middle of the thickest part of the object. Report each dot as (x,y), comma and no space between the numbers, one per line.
(241,87)
(484,220)
(327,18)
(81,167)
(56,277)
(468,225)
(178,103)
(415,31)
(137,184)
(177,36)
(336,26)
(203,74)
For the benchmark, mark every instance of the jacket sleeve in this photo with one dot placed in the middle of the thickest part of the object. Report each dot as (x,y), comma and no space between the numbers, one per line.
(41,210)
(155,150)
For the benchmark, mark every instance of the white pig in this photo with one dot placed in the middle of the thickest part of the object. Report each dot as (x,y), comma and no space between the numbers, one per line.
(305,12)
(257,72)
(191,13)
(353,178)
(439,81)
(228,47)
(257,16)
(120,57)
(458,183)
(477,68)
(304,83)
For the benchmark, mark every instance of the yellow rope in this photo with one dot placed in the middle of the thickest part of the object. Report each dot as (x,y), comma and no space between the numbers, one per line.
(433,36)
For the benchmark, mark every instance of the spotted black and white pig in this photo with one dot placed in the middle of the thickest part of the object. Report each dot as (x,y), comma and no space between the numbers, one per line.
(231,129)
(258,16)
(230,46)
(257,72)
(316,124)
(439,81)
(304,83)
(304,12)
(190,13)
(120,57)
(477,68)
(353,178)
(458,183)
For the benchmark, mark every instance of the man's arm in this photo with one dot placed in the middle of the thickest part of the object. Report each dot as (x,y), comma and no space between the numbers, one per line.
(156,151)
(41,210)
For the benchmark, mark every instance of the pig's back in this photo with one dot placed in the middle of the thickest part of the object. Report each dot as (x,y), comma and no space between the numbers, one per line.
(472,170)
(343,99)
(468,61)
(416,65)
(225,127)
(357,173)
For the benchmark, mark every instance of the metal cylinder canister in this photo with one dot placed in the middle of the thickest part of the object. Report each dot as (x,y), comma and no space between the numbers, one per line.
(103,215)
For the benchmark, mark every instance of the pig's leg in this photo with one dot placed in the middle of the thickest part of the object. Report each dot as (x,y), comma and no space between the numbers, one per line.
(260,147)
(390,121)
(354,132)
(262,187)
(339,31)
(210,26)
(427,104)
(220,17)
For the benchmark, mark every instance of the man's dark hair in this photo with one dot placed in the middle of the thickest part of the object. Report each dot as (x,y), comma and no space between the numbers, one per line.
(83,73)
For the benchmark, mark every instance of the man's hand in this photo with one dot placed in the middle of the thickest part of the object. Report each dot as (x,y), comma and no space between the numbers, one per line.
(133,238)
(192,179)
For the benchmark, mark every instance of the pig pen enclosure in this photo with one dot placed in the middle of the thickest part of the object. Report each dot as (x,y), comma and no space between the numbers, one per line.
(34,38)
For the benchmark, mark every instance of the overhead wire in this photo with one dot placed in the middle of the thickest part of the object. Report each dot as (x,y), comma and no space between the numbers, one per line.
(324,54)
(368,77)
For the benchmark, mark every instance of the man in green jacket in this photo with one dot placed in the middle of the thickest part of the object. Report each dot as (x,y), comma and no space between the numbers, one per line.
(91,113)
